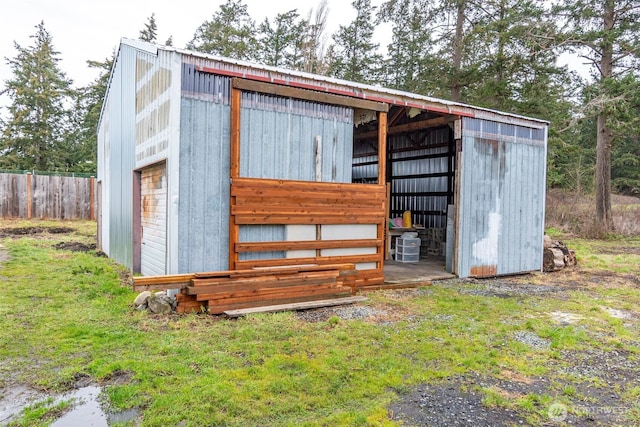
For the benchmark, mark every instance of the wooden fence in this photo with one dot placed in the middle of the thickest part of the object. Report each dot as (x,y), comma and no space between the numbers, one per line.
(46,197)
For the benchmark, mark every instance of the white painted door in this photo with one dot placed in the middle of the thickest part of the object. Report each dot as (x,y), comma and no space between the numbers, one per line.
(153,194)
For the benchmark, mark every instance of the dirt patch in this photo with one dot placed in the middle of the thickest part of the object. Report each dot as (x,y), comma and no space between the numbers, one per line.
(455,402)
(75,246)
(493,401)
(26,231)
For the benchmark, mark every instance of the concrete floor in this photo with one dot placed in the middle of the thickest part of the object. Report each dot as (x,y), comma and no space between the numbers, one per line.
(415,273)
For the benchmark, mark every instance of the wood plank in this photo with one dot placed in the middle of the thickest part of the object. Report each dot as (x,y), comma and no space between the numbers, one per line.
(234,171)
(205,286)
(289,268)
(266,277)
(161,286)
(294,185)
(221,308)
(358,196)
(302,219)
(309,95)
(309,260)
(271,294)
(303,210)
(295,306)
(307,245)
(409,127)
(382,149)
(308,201)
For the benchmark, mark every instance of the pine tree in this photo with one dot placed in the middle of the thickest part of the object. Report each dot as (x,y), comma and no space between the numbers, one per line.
(150,31)
(280,42)
(230,32)
(607,34)
(355,54)
(33,136)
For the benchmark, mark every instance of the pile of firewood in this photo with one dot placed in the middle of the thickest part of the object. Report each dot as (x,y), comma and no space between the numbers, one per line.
(557,255)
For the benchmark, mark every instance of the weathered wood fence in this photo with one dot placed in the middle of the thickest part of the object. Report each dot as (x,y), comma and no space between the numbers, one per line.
(46,197)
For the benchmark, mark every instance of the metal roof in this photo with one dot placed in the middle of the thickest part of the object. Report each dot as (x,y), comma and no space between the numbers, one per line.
(251,70)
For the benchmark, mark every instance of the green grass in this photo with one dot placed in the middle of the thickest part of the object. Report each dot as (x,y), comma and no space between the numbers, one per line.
(67,315)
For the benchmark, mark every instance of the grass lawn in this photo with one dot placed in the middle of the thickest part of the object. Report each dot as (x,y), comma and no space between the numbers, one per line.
(67,316)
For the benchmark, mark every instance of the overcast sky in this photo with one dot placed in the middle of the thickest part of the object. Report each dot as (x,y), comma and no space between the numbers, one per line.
(91,29)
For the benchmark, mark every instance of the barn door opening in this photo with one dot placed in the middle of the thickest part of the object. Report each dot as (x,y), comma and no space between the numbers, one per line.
(151,220)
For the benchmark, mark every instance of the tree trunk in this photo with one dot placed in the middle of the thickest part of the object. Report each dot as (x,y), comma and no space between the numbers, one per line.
(457,52)
(603,138)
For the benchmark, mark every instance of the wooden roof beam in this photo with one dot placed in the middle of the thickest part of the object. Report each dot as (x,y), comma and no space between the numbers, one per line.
(410,127)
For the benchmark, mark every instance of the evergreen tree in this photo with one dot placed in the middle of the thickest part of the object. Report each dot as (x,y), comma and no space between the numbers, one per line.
(150,31)
(409,57)
(355,54)
(33,136)
(82,143)
(230,32)
(607,34)
(280,43)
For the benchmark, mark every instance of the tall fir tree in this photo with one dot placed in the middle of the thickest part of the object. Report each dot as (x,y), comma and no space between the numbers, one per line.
(230,32)
(34,134)
(409,55)
(355,54)
(150,31)
(280,42)
(82,142)
(605,33)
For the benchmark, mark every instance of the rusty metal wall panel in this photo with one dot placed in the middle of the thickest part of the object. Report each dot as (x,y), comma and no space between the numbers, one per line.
(203,229)
(501,206)
(153,194)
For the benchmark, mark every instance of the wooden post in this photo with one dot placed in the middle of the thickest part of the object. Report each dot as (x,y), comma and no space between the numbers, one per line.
(28,195)
(234,172)
(382,169)
(92,195)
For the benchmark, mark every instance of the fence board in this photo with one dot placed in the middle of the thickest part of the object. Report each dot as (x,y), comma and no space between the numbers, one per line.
(47,197)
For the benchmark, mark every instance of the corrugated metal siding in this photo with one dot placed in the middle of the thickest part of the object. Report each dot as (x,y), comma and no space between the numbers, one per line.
(501,206)
(417,185)
(204,186)
(278,139)
(153,258)
(117,151)
(369,173)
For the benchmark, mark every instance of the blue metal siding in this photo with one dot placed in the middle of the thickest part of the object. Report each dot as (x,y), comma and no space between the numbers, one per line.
(278,137)
(501,206)
(204,186)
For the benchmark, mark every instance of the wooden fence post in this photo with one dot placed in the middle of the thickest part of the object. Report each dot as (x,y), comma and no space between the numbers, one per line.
(92,194)
(28,195)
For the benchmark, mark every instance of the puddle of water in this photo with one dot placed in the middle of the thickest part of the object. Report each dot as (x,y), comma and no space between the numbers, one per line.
(14,400)
(85,412)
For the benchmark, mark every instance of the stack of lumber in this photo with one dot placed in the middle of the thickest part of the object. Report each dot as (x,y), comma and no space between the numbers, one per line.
(217,292)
